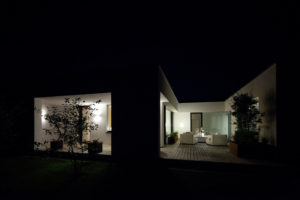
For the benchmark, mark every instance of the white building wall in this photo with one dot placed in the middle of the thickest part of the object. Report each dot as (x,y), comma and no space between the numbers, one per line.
(38,120)
(201,107)
(43,104)
(182,122)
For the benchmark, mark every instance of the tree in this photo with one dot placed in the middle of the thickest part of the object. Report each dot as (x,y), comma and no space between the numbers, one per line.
(68,123)
(247,117)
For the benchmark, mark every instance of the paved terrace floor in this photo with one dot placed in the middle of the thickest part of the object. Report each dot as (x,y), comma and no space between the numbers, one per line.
(204,152)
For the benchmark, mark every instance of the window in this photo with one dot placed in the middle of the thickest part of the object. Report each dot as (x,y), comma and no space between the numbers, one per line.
(196,121)
(168,122)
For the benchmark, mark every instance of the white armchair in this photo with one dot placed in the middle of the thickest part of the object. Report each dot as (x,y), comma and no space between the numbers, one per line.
(188,138)
(216,139)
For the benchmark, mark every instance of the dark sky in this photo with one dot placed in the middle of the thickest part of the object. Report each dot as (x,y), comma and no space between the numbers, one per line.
(207,51)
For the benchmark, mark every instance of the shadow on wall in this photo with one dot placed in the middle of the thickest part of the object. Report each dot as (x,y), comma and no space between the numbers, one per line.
(271,111)
(269,117)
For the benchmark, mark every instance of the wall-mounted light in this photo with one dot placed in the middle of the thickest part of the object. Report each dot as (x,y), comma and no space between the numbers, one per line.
(43,112)
(43,115)
(181,125)
(97,119)
(99,108)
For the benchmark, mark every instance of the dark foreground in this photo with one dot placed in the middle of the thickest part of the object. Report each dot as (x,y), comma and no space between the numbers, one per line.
(43,178)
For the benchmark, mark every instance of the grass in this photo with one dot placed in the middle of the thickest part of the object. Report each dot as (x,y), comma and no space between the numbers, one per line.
(42,177)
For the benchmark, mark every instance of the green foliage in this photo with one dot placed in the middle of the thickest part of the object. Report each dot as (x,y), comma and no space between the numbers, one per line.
(40,144)
(247,117)
(246,137)
(46,175)
(68,123)
(173,134)
(94,142)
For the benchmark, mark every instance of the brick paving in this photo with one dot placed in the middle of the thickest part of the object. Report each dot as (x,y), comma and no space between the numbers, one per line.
(203,152)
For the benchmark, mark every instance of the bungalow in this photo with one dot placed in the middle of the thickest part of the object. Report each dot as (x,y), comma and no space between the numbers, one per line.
(139,109)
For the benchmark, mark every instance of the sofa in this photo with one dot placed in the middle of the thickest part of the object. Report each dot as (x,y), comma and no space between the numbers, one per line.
(216,139)
(188,138)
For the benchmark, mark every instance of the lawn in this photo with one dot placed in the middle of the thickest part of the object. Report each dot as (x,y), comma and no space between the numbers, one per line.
(45,177)
(35,176)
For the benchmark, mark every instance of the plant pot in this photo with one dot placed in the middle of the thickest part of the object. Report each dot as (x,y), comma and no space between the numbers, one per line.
(242,150)
(176,138)
(233,148)
(56,145)
(254,151)
(248,151)
(95,148)
(265,152)
(171,140)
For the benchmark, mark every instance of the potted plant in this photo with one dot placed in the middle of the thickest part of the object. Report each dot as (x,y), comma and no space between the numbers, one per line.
(176,136)
(245,140)
(56,145)
(172,138)
(94,147)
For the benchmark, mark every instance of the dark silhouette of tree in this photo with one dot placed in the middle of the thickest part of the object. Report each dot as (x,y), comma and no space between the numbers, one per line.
(247,117)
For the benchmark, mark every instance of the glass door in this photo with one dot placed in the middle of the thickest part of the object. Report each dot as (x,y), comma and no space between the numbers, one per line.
(196,122)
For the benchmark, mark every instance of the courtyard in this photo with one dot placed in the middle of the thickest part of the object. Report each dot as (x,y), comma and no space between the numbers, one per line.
(206,153)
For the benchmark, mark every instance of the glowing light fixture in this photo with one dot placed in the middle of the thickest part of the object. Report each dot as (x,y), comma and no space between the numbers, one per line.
(181,125)
(43,113)
(97,119)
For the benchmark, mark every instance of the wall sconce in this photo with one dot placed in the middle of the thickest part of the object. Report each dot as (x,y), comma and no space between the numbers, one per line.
(97,119)
(43,113)
(181,125)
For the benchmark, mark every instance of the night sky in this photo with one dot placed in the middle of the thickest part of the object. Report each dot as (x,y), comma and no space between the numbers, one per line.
(208,51)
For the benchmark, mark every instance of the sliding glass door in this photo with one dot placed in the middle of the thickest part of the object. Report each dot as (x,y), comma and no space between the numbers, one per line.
(168,122)
(196,121)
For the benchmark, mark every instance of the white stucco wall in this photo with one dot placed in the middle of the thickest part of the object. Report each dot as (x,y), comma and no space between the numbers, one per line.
(201,107)
(182,122)
(263,87)
(40,123)
(38,120)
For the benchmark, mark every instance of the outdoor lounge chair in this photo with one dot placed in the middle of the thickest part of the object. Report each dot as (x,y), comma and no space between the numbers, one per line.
(216,139)
(188,138)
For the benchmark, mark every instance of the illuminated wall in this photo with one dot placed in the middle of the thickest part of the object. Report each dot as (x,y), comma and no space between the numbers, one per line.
(100,116)
(182,122)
